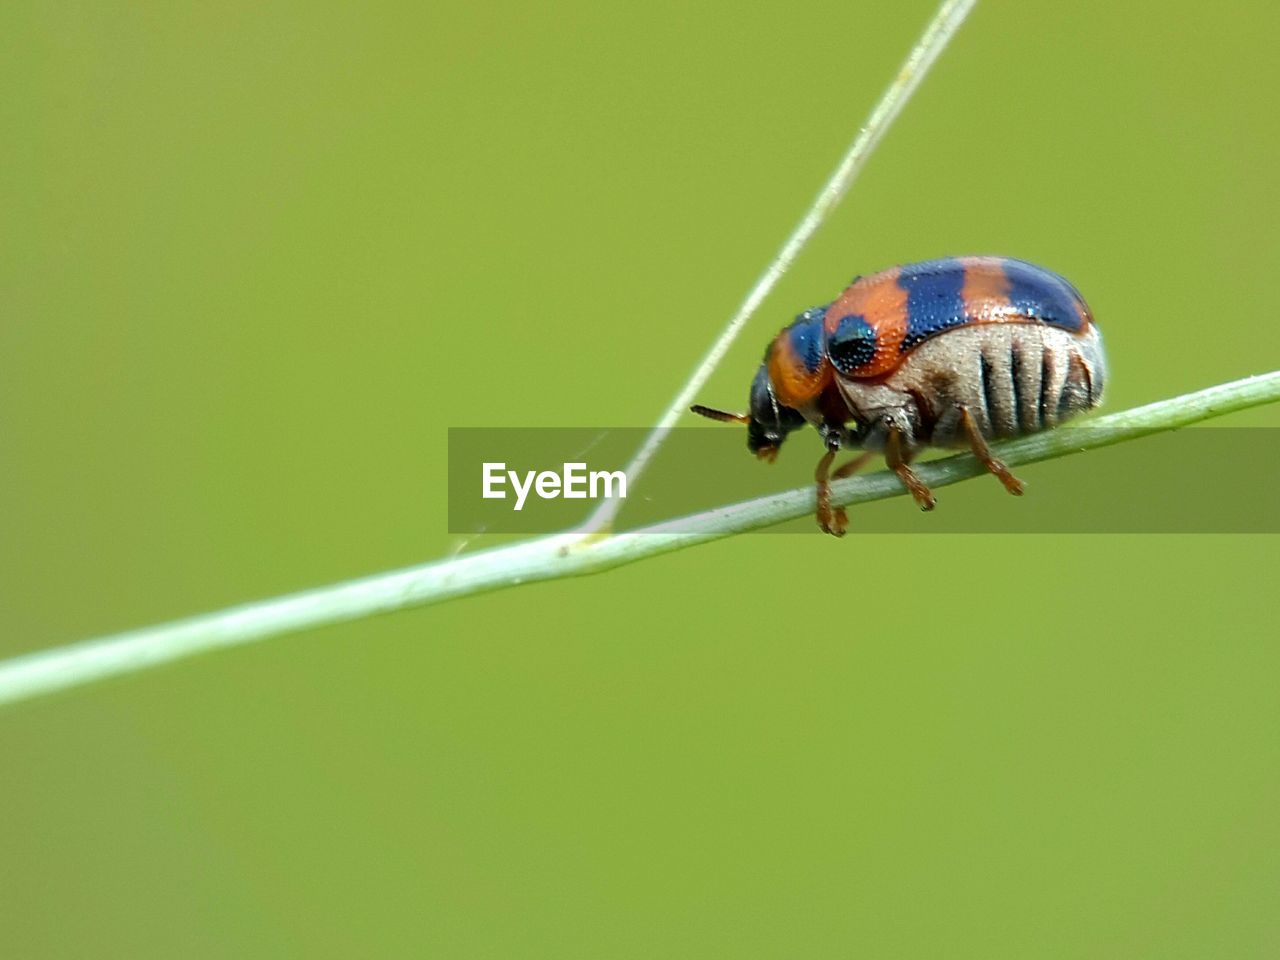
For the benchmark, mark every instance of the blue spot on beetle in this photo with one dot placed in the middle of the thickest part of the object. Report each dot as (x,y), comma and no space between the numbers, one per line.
(852,344)
(805,336)
(1042,296)
(934,301)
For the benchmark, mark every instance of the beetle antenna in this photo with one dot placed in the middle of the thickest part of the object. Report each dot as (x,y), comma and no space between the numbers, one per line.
(720,415)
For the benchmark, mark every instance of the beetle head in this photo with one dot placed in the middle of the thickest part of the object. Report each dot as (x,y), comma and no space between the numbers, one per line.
(768,421)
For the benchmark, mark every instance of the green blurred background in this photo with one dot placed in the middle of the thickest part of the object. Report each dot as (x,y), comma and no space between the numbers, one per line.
(258,257)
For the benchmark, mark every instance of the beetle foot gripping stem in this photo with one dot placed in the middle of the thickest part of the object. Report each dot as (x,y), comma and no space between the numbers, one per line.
(830,520)
(983,453)
(898,464)
(834,520)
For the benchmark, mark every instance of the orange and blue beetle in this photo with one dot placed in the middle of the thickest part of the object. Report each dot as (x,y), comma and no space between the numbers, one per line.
(944,353)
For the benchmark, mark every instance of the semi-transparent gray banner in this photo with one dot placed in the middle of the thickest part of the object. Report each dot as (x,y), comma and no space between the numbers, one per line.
(541,480)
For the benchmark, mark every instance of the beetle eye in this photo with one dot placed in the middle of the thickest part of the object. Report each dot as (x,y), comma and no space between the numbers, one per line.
(852,345)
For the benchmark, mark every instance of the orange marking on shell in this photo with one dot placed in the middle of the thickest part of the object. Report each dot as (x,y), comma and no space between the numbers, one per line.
(986,291)
(883,304)
(986,295)
(793,384)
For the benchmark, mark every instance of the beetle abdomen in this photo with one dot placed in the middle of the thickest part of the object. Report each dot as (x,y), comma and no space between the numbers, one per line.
(1014,379)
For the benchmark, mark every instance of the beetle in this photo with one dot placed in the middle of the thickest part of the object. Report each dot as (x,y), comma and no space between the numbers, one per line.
(943,353)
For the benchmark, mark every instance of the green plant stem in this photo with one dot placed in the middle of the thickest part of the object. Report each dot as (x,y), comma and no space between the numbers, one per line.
(565,554)
(568,554)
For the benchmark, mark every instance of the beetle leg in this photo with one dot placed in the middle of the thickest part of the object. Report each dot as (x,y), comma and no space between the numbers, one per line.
(852,467)
(983,453)
(898,464)
(832,521)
